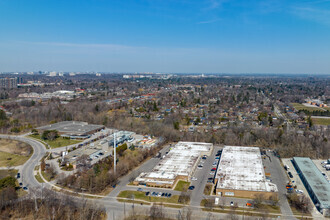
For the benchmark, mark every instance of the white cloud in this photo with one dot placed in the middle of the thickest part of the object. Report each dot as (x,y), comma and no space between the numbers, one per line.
(209,21)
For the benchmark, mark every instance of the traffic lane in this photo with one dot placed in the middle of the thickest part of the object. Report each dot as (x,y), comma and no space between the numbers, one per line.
(27,170)
(27,176)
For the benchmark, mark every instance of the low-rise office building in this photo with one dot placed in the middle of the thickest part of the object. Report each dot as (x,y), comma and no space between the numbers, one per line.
(241,173)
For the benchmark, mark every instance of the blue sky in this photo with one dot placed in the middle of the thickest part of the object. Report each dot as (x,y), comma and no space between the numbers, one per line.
(180,36)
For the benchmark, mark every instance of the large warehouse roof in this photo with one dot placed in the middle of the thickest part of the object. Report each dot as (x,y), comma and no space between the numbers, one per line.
(179,161)
(72,127)
(315,179)
(241,168)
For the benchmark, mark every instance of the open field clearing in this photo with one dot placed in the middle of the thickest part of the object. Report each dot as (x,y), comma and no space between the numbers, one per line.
(14,153)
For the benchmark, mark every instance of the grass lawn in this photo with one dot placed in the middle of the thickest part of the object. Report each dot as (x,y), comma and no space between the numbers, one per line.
(239,212)
(299,106)
(14,153)
(39,179)
(46,176)
(297,212)
(182,186)
(7,159)
(58,142)
(269,208)
(5,173)
(321,121)
(141,195)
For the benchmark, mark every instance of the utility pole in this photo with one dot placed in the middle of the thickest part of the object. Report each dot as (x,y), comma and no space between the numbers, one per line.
(114,152)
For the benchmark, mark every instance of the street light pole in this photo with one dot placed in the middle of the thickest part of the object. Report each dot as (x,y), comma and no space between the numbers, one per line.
(114,152)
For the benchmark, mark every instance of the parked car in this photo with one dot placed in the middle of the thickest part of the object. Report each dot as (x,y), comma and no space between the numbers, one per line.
(231,203)
(25,188)
(163,194)
(299,191)
(147,193)
(212,173)
(191,187)
(200,166)
(193,178)
(213,169)
(18,175)
(140,189)
(290,175)
(169,195)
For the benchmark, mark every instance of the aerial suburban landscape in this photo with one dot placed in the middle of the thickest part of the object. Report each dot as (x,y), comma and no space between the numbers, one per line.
(166,146)
(164,109)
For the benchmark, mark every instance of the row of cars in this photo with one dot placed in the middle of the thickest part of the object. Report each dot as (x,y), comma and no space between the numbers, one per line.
(158,194)
(155,194)
(289,173)
(214,166)
(21,184)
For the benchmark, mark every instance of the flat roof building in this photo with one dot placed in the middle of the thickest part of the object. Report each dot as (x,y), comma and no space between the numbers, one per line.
(180,163)
(241,173)
(316,184)
(72,128)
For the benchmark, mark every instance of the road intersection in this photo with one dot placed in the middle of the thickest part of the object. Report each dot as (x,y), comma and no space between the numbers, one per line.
(116,209)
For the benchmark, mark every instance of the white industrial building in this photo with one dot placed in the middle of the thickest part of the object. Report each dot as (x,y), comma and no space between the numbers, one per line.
(179,163)
(241,173)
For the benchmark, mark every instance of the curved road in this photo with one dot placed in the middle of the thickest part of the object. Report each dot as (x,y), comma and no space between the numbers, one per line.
(27,170)
(115,209)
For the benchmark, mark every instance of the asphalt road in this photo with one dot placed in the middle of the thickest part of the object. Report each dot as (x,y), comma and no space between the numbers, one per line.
(115,209)
(27,170)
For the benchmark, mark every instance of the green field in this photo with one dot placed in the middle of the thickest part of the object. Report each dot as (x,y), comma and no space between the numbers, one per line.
(299,106)
(182,186)
(141,195)
(7,159)
(58,142)
(321,121)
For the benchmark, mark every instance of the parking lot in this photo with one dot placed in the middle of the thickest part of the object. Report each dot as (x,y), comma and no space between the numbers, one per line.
(319,164)
(295,179)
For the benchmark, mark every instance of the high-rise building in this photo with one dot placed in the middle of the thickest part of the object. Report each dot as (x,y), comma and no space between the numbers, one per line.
(9,83)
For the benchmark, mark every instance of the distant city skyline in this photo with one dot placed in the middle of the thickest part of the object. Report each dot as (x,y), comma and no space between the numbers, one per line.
(174,36)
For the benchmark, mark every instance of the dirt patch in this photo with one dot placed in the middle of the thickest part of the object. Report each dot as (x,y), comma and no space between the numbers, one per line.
(15,147)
